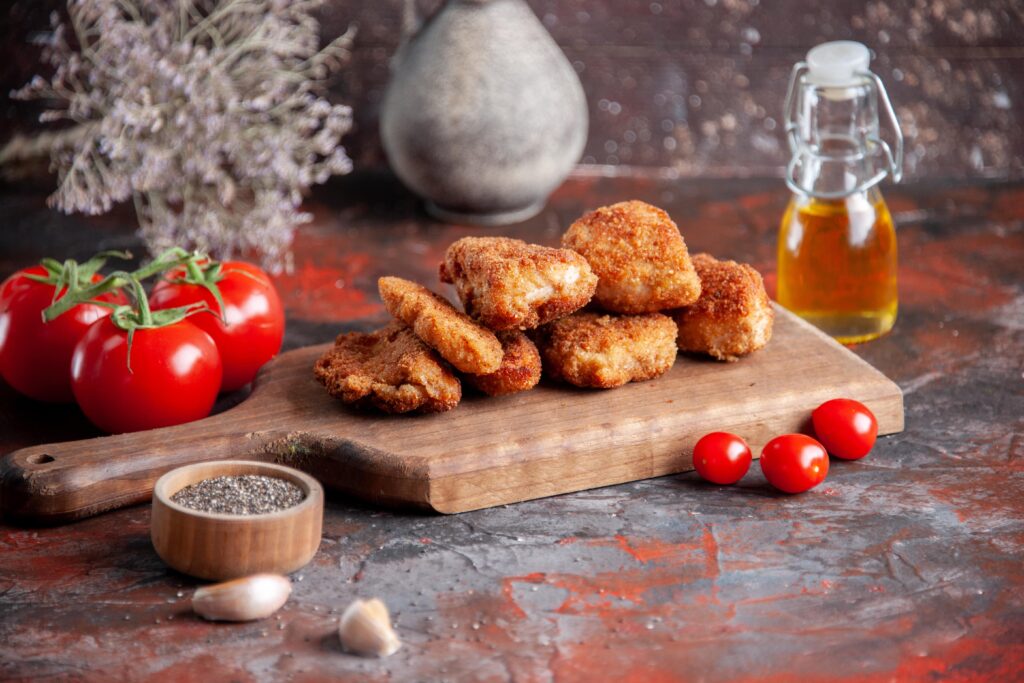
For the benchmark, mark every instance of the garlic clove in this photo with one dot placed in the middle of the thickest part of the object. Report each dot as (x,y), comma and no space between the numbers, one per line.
(246,599)
(365,629)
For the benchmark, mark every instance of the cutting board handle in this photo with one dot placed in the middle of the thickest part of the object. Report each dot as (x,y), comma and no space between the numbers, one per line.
(61,482)
(46,484)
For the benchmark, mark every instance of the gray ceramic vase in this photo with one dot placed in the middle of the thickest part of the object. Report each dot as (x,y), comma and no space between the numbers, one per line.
(484,116)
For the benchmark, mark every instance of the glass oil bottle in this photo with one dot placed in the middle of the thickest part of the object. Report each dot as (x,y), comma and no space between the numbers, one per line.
(837,242)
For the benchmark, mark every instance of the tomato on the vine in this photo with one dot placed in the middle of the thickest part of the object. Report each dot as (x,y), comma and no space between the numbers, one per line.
(794,463)
(35,356)
(18,283)
(172,375)
(846,428)
(253,326)
(721,457)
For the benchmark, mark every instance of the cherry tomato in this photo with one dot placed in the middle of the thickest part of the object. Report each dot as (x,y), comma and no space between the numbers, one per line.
(721,457)
(794,463)
(35,357)
(252,309)
(846,428)
(174,377)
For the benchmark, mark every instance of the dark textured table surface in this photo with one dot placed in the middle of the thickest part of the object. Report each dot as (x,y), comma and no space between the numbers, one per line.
(903,566)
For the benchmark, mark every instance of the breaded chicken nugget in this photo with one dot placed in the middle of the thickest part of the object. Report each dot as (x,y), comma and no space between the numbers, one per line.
(519,371)
(389,369)
(733,316)
(508,284)
(460,341)
(638,255)
(606,351)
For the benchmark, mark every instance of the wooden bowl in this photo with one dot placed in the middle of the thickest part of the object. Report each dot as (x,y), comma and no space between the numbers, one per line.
(219,546)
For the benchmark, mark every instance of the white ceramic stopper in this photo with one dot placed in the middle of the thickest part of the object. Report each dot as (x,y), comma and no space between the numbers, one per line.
(837,64)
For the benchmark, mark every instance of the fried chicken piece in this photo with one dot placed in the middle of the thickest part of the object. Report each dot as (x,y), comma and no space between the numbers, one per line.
(460,341)
(519,371)
(507,284)
(732,317)
(606,351)
(638,255)
(390,369)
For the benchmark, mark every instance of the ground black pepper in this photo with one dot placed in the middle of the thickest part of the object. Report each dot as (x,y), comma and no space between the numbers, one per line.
(243,494)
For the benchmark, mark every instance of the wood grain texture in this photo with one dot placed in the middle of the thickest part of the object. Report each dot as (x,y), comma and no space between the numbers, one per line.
(221,546)
(486,452)
(696,86)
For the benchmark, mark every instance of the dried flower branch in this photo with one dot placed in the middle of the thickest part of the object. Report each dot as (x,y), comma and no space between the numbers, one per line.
(205,112)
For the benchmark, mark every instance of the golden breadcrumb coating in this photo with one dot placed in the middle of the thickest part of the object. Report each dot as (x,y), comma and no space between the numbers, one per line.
(519,371)
(389,369)
(507,284)
(606,351)
(733,316)
(460,341)
(638,255)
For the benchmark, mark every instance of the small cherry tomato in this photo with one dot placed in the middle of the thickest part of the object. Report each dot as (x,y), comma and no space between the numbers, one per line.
(846,428)
(174,376)
(794,463)
(252,310)
(721,457)
(35,356)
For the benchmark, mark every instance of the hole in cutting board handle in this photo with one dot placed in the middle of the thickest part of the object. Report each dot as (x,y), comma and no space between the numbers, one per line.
(39,458)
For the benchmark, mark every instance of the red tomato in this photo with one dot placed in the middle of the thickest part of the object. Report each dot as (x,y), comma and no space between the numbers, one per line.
(252,308)
(721,457)
(845,427)
(175,376)
(794,463)
(18,283)
(35,357)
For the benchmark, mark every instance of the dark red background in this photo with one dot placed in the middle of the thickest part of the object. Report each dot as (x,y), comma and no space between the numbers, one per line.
(906,566)
(696,86)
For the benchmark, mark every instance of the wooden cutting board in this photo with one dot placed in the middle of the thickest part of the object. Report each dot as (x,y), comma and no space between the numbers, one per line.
(488,451)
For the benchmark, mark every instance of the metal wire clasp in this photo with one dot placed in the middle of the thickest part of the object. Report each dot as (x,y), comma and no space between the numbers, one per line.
(799,148)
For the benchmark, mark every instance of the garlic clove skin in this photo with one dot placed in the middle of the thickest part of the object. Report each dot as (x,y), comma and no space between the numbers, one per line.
(365,629)
(246,599)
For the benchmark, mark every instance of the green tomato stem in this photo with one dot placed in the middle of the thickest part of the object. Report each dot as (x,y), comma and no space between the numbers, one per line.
(142,302)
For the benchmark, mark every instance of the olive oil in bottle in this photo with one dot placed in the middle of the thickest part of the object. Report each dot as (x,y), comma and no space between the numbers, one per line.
(837,265)
(837,251)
